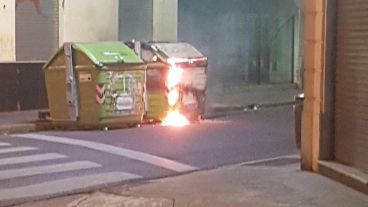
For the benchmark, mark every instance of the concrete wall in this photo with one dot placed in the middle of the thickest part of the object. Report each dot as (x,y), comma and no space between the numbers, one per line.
(86,21)
(248,42)
(165,20)
(255,37)
(7,30)
(36,29)
(148,20)
(135,20)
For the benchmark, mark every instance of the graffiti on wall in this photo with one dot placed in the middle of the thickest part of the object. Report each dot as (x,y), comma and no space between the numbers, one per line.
(36,5)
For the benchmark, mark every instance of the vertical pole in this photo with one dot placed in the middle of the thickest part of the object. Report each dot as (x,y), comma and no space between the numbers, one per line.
(314,65)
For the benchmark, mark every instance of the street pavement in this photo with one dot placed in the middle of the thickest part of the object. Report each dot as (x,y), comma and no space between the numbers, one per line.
(274,182)
(48,164)
(243,159)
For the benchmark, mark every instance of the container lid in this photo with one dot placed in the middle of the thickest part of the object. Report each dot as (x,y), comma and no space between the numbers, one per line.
(102,53)
(108,53)
(177,50)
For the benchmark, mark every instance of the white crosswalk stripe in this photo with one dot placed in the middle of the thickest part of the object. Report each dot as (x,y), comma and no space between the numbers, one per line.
(132,154)
(47,169)
(77,183)
(20,167)
(17,149)
(73,184)
(4,144)
(31,158)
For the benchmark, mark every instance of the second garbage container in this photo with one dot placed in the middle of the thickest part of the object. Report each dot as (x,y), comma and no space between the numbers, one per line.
(176,79)
(95,84)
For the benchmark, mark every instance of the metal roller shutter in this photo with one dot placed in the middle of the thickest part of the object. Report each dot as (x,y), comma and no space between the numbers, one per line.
(351,109)
(37,29)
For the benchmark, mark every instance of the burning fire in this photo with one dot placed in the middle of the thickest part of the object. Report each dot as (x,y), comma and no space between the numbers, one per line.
(175,119)
(174,77)
(173,97)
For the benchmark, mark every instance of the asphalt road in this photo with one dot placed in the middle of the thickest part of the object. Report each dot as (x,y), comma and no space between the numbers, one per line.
(53,163)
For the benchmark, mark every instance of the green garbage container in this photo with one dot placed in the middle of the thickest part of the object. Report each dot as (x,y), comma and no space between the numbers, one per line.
(95,84)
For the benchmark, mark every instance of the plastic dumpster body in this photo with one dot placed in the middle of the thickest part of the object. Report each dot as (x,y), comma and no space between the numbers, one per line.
(157,105)
(95,84)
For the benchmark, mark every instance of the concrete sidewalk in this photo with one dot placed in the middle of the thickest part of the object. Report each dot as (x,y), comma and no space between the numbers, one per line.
(22,121)
(237,97)
(273,183)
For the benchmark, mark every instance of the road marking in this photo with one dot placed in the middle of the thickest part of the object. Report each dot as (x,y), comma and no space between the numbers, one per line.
(4,144)
(17,149)
(31,158)
(132,154)
(68,185)
(253,162)
(47,169)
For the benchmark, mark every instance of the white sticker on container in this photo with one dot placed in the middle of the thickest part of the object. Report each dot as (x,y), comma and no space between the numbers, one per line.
(124,102)
(85,77)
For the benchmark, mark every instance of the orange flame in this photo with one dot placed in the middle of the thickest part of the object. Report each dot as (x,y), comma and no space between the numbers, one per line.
(174,77)
(175,119)
(173,97)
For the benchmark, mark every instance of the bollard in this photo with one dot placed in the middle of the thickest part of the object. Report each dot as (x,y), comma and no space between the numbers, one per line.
(298,109)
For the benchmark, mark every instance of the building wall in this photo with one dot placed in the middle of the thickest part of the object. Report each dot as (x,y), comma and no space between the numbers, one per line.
(333,130)
(248,42)
(87,21)
(7,30)
(135,20)
(42,25)
(165,20)
(148,20)
(351,96)
(255,38)
(36,29)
